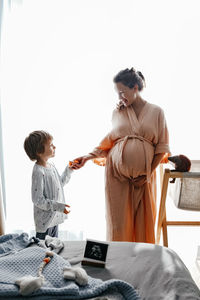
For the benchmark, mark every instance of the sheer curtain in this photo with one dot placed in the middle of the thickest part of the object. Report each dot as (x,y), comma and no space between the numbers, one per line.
(58,61)
(2,182)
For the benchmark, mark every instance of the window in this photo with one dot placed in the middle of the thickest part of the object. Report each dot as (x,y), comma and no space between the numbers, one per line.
(58,59)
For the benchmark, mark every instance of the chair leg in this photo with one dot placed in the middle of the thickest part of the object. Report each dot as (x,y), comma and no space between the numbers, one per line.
(162,212)
(164,230)
(161,175)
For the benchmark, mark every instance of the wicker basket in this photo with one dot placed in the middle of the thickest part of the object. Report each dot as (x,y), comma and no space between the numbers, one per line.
(186,191)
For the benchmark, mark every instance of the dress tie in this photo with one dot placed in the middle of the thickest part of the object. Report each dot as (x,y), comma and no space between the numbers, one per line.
(142,139)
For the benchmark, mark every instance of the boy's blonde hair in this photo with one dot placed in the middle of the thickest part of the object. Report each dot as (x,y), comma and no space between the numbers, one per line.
(35,142)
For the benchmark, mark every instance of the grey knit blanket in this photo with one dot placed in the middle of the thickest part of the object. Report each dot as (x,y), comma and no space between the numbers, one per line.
(17,259)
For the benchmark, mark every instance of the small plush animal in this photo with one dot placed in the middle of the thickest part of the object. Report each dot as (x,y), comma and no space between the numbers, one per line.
(181,163)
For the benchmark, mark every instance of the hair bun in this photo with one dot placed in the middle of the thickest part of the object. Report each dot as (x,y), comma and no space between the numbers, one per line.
(132,70)
(141,76)
(130,77)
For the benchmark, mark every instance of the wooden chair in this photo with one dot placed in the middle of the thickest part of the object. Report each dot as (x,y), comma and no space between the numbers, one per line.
(163,223)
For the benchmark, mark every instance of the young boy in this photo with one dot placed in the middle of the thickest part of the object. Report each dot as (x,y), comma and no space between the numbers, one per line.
(47,185)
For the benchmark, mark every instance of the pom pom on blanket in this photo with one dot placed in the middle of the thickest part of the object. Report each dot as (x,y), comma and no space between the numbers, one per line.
(78,274)
(54,243)
(29,284)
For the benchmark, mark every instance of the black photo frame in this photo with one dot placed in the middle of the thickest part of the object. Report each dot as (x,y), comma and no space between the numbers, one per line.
(95,253)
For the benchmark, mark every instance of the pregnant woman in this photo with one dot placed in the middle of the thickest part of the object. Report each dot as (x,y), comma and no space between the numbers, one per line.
(131,152)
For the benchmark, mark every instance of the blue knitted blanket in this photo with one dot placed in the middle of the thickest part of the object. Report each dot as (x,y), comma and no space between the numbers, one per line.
(18,260)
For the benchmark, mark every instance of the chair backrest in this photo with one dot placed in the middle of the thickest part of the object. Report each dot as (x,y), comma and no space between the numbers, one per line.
(195,166)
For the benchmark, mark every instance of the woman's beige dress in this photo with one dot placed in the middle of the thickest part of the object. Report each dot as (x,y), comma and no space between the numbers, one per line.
(129,150)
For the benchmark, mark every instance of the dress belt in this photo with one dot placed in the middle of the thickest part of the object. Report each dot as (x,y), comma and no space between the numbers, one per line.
(142,139)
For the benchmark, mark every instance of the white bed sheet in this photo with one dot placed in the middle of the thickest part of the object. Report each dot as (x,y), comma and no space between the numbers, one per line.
(155,271)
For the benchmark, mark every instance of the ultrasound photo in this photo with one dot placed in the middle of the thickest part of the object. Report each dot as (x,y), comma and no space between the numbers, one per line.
(96,250)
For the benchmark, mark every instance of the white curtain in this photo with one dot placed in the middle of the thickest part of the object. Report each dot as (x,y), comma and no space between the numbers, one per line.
(2,211)
(58,61)
(2,181)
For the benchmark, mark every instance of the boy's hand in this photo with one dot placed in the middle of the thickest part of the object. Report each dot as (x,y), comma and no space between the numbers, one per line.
(65,210)
(73,164)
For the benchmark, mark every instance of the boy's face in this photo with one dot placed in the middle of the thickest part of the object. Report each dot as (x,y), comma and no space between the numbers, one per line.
(49,150)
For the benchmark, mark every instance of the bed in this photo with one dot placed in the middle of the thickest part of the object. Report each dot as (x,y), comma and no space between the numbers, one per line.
(155,272)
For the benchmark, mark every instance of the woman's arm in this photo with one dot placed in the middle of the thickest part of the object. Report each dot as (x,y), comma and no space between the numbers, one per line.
(140,180)
(156,160)
(79,162)
(99,152)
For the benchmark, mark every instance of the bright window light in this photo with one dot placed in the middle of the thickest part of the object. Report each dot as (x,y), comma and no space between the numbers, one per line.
(58,60)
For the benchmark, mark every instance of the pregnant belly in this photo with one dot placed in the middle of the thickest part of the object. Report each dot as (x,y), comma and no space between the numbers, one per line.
(130,160)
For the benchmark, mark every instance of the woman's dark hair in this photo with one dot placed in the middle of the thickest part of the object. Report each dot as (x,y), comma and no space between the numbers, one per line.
(130,77)
(35,143)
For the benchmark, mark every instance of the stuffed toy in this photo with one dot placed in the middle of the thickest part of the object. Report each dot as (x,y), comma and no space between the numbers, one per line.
(181,163)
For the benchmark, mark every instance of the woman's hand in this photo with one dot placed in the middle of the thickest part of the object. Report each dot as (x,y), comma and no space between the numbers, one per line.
(156,160)
(79,162)
(120,105)
(139,181)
